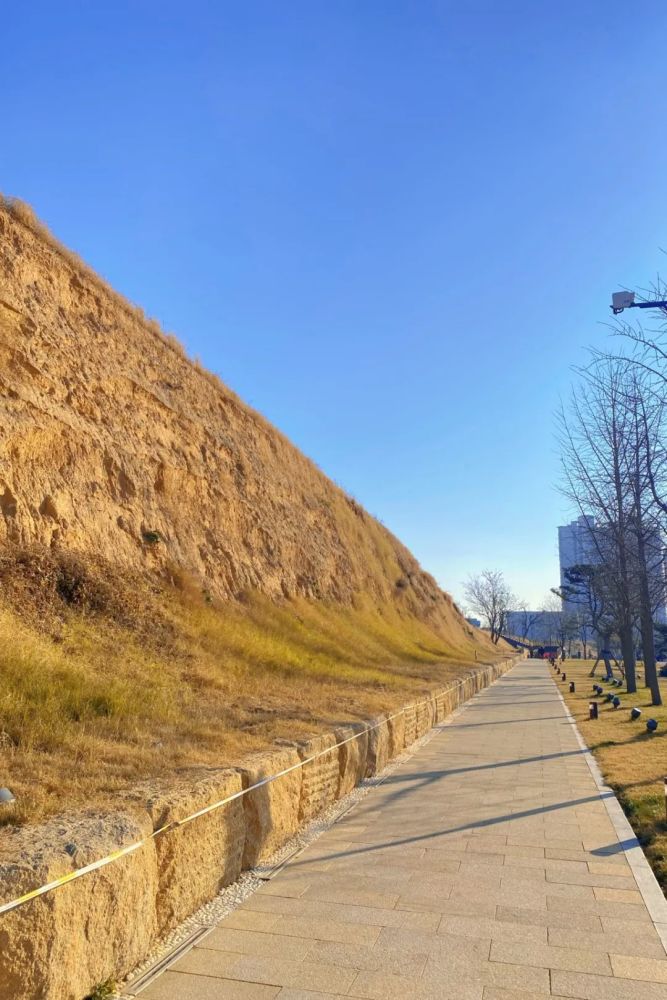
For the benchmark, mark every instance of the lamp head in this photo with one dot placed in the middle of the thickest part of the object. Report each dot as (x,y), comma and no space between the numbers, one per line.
(621,301)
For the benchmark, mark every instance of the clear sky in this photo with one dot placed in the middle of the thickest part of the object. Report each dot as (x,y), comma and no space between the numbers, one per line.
(390,226)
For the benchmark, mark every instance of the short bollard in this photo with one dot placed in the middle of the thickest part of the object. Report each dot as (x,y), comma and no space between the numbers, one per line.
(592,710)
(616,701)
(571,687)
(652,725)
(635,713)
(563,676)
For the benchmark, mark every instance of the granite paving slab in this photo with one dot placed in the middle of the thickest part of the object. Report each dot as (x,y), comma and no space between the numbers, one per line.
(492,864)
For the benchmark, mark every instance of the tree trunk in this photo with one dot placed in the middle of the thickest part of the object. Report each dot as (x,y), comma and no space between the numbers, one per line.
(625,630)
(628,653)
(620,528)
(645,603)
(650,667)
(646,625)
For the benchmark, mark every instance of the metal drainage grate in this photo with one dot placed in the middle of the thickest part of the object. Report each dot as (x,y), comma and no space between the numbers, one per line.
(146,978)
(265,873)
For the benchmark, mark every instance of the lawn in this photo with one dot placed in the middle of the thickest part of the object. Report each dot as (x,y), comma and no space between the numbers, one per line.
(633,761)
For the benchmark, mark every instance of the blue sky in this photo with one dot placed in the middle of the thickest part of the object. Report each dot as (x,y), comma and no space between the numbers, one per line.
(390,226)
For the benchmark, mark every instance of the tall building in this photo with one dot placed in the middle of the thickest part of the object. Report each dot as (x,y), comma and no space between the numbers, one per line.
(576,547)
(581,542)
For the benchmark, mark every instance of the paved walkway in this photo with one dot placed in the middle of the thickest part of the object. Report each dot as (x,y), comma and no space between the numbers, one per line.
(485,868)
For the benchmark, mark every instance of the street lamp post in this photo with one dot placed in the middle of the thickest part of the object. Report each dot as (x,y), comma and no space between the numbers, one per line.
(626,300)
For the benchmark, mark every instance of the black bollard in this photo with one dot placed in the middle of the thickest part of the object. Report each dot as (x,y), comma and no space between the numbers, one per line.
(592,710)
(571,687)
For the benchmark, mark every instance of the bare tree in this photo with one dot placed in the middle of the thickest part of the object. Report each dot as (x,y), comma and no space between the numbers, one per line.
(562,625)
(527,620)
(590,592)
(615,468)
(596,440)
(490,597)
(647,363)
(583,632)
(641,468)
(644,524)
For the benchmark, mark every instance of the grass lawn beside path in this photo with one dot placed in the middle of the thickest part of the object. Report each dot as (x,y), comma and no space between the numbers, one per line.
(633,761)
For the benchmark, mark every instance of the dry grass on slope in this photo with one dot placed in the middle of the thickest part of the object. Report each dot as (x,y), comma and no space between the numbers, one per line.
(24,214)
(21,212)
(107,433)
(104,682)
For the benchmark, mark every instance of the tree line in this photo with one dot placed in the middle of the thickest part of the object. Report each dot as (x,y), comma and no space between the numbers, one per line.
(489,596)
(613,442)
(612,433)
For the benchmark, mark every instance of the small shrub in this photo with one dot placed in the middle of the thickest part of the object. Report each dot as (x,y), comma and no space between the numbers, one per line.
(79,586)
(151,537)
(46,586)
(39,577)
(103,991)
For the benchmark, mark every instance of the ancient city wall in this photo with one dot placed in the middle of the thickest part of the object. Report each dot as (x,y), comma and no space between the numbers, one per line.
(112,441)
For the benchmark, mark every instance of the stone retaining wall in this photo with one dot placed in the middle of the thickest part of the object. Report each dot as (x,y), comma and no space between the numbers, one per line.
(59,946)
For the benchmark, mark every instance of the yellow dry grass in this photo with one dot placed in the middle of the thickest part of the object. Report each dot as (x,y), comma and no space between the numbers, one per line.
(106,679)
(633,762)
(90,708)
(24,214)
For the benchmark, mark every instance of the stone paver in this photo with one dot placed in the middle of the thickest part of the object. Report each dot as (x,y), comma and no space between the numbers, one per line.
(487,867)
